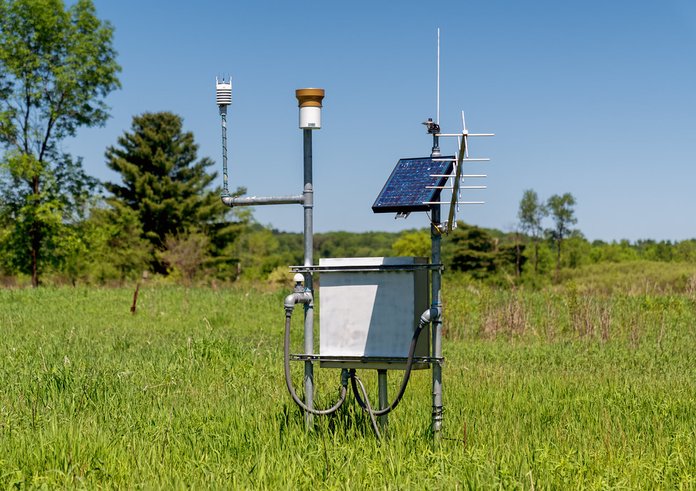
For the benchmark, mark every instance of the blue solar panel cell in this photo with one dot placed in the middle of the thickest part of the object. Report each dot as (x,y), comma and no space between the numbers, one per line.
(407,189)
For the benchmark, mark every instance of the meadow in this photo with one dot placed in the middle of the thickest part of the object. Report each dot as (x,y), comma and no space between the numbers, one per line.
(556,389)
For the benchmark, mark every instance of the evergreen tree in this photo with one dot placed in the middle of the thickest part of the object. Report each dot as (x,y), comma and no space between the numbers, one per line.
(473,251)
(165,183)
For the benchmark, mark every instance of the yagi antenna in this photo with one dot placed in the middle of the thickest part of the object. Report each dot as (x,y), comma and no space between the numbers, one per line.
(458,177)
(462,155)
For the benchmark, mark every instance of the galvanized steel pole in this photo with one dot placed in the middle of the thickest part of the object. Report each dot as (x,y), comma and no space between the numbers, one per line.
(436,239)
(308,204)
(310,119)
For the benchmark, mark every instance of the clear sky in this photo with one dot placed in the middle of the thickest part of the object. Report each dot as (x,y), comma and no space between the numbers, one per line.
(595,97)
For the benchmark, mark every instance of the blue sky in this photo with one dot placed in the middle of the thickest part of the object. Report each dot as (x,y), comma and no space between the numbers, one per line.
(594,98)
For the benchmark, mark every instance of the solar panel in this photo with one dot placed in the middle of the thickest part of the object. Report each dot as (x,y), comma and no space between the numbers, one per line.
(407,187)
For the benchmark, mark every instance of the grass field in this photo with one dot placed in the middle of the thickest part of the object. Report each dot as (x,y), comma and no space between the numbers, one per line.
(542,391)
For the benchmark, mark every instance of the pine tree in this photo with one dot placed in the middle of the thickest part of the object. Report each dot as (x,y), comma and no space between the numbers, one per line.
(165,183)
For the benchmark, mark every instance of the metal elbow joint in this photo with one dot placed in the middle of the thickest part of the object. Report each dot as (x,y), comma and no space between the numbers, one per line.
(300,295)
(430,315)
(227,200)
(297,297)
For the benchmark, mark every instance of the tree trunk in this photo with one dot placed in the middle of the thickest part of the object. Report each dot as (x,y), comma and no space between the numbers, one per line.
(35,240)
(34,262)
(518,256)
(558,261)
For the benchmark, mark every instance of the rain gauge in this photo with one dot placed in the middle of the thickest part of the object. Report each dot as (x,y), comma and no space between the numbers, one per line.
(378,313)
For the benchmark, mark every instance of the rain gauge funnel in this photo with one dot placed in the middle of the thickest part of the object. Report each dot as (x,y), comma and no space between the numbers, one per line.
(370,308)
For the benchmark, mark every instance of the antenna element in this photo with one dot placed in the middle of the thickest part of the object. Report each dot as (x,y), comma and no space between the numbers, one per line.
(437,115)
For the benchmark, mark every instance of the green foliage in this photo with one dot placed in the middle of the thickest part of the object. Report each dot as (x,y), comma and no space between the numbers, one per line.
(563,214)
(415,244)
(266,253)
(50,219)
(510,259)
(162,181)
(475,251)
(167,186)
(347,244)
(531,215)
(117,252)
(57,65)
(665,250)
(185,255)
(577,250)
(260,253)
(614,252)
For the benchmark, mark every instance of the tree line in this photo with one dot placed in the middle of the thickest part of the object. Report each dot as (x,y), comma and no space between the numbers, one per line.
(58,65)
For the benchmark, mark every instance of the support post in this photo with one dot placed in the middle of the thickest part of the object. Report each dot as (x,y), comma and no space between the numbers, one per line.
(436,299)
(308,204)
(435,151)
(223,116)
(383,398)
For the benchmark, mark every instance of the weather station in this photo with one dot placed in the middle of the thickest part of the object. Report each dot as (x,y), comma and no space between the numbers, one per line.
(377,313)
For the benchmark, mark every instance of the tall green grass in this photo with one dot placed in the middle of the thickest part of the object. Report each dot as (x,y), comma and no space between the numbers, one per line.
(543,390)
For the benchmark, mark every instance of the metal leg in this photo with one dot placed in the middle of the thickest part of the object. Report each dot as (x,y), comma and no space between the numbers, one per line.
(383,398)
(436,238)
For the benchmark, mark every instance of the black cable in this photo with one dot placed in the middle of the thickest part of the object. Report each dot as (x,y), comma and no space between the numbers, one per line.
(288,380)
(368,407)
(404,382)
(354,385)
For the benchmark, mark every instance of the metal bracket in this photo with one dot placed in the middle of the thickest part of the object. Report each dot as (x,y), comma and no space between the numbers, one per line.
(367,269)
(367,359)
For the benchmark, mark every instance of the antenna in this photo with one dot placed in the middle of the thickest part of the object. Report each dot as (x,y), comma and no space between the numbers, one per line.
(462,156)
(458,177)
(437,114)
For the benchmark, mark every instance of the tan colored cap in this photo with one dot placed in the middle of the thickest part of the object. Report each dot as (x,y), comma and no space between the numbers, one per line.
(309,97)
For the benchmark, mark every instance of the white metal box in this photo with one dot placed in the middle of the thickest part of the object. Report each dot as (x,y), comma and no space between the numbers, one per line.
(369,309)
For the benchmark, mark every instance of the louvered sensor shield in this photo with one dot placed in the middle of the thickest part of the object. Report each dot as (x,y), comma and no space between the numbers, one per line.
(223,91)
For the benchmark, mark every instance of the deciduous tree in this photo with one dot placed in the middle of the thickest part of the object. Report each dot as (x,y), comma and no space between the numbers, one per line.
(57,65)
(416,243)
(563,214)
(531,215)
